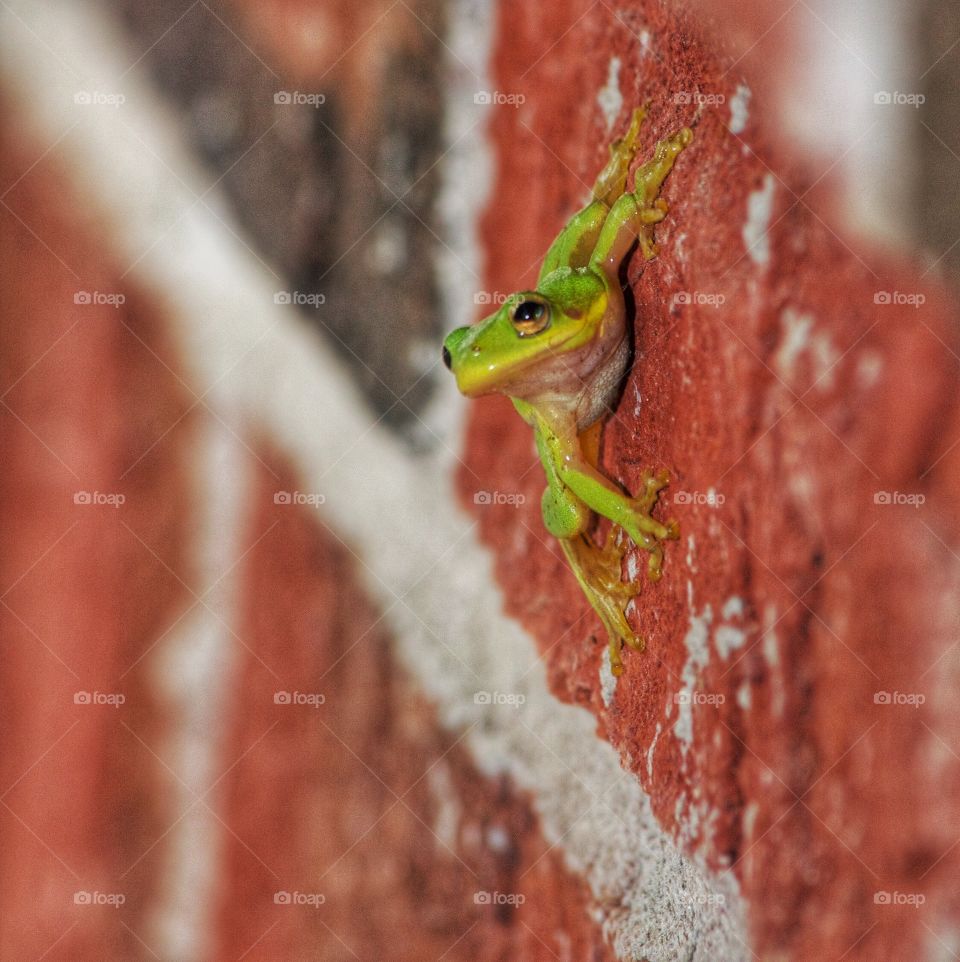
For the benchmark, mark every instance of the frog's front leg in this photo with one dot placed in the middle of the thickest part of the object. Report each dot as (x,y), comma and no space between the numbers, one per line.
(632,514)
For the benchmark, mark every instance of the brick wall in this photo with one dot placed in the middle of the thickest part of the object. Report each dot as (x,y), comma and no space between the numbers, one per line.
(278,684)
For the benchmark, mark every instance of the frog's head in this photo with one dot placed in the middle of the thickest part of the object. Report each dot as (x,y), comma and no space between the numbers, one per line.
(537,342)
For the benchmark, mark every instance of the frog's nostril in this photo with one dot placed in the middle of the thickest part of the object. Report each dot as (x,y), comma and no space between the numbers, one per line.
(446,357)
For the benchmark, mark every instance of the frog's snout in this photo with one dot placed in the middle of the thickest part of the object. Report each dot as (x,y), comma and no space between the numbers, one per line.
(451,344)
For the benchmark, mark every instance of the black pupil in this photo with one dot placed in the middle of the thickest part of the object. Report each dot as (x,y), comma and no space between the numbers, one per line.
(528,311)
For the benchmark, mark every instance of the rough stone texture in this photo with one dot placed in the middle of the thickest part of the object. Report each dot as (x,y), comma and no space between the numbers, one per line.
(89,404)
(362,800)
(752,719)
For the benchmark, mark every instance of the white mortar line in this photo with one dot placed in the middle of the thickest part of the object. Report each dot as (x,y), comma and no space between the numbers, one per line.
(195,672)
(396,511)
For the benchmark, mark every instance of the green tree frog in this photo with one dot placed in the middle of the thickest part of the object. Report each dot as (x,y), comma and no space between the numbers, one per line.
(560,353)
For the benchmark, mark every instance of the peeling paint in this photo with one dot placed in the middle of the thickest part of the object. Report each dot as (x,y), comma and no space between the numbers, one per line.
(739,109)
(732,608)
(796,338)
(497,838)
(652,749)
(691,552)
(608,680)
(447,811)
(755,230)
(696,641)
(771,652)
(609,98)
(869,369)
(728,639)
(825,357)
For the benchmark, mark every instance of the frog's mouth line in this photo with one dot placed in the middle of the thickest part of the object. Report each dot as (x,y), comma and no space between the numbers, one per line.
(500,378)
(491,381)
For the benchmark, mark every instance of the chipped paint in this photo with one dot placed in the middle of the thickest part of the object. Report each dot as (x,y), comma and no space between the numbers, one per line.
(796,338)
(652,749)
(739,109)
(869,369)
(771,652)
(732,608)
(825,357)
(446,802)
(799,336)
(696,641)
(609,98)
(608,680)
(756,229)
(728,639)
(497,838)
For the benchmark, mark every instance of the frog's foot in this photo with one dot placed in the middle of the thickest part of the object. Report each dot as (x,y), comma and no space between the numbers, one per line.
(647,182)
(598,571)
(650,177)
(645,530)
(612,181)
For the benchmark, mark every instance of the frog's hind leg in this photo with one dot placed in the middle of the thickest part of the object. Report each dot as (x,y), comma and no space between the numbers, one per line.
(612,181)
(576,242)
(598,572)
(651,208)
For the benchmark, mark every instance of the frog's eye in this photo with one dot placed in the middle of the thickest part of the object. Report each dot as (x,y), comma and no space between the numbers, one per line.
(530,317)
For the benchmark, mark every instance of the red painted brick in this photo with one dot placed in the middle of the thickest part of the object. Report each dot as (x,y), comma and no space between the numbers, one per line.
(364,799)
(89,405)
(817,796)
